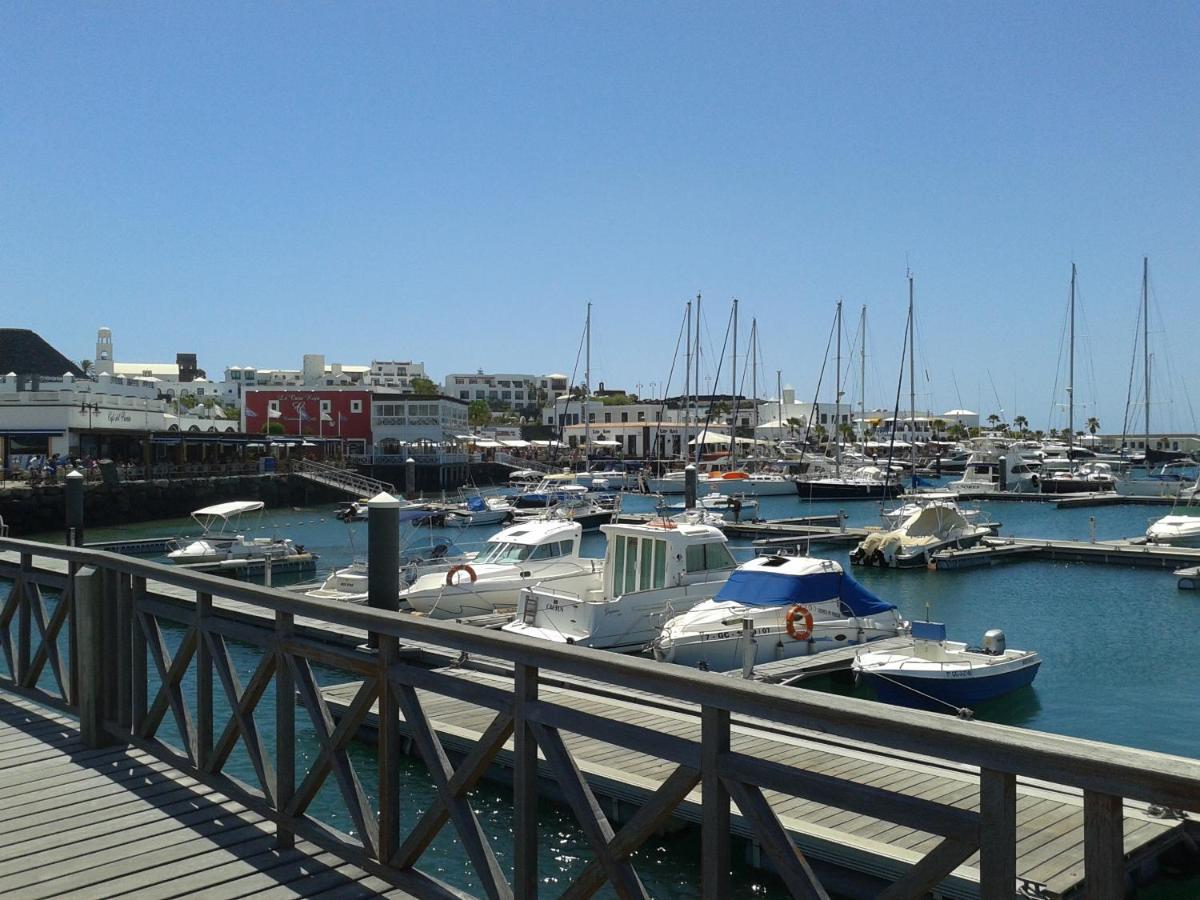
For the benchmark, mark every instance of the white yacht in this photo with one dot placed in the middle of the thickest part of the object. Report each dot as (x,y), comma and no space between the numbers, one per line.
(651,572)
(983,475)
(542,551)
(220,541)
(760,484)
(912,543)
(349,583)
(1176,530)
(797,606)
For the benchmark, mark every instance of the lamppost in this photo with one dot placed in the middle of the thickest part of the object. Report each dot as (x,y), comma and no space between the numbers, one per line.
(88,408)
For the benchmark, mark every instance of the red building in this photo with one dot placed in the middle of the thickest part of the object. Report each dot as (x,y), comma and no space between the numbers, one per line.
(307,411)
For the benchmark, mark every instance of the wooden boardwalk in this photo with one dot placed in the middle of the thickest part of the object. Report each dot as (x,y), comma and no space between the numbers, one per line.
(117,822)
(1049,818)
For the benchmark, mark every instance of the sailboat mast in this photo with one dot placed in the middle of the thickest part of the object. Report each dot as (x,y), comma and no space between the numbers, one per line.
(754,375)
(733,392)
(1146,347)
(837,398)
(779,394)
(1071,373)
(862,369)
(696,383)
(912,383)
(587,388)
(687,386)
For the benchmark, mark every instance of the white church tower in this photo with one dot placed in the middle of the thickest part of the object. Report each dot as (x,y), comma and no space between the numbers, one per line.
(104,352)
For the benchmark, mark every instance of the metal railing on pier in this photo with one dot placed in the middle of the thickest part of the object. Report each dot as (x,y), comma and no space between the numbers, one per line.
(115,610)
(343,479)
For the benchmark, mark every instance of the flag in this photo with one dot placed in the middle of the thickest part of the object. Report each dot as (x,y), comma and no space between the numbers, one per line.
(274,414)
(301,413)
(341,418)
(251,414)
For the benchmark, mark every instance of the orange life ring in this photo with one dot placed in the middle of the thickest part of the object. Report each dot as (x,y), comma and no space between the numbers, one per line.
(801,611)
(461,567)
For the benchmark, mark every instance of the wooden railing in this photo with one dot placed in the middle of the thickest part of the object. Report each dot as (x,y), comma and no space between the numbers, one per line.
(99,644)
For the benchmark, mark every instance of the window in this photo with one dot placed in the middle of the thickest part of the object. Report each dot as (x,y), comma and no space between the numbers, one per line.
(630,566)
(624,417)
(608,417)
(646,560)
(660,565)
(273,405)
(355,406)
(465,395)
(591,417)
(618,563)
(641,415)
(632,443)
(326,405)
(707,557)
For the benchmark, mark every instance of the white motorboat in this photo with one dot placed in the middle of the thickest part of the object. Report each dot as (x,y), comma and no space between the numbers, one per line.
(915,502)
(732,507)
(220,541)
(1176,530)
(349,583)
(524,476)
(795,606)
(652,572)
(931,528)
(356,510)
(541,551)
(1090,477)
(478,511)
(936,673)
(989,472)
(760,484)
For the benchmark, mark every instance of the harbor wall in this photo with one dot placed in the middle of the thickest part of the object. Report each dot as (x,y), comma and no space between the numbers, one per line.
(35,510)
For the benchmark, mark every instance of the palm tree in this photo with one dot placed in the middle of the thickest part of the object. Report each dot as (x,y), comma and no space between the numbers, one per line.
(993,420)
(1022,423)
(939,425)
(86,365)
(821,434)
(794,425)
(1093,425)
(846,430)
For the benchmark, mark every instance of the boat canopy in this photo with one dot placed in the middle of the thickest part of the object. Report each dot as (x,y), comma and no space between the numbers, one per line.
(232,508)
(759,588)
(476,504)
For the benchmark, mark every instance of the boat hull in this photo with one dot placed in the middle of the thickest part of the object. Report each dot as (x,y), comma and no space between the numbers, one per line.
(829,490)
(957,688)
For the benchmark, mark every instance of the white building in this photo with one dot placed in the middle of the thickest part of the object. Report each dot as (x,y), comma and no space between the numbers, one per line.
(178,379)
(317,373)
(514,389)
(401,420)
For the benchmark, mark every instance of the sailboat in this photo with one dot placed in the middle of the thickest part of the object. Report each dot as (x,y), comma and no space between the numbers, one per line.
(1087,477)
(862,483)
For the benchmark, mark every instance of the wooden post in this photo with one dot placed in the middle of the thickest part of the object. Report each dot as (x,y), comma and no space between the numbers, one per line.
(137,656)
(285,729)
(89,614)
(1103,847)
(714,833)
(123,649)
(204,682)
(998,827)
(525,787)
(388,753)
(24,622)
(110,673)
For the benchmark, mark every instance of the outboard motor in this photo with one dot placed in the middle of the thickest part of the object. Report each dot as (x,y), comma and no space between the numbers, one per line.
(993,642)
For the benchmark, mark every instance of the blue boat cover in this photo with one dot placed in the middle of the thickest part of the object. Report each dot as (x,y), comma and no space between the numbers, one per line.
(476,504)
(777,589)
(929,631)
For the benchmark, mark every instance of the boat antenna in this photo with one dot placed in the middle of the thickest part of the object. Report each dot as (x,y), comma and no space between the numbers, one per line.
(899,385)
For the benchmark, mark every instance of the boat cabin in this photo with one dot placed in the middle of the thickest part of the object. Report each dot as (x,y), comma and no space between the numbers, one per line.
(536,540)
(661,554)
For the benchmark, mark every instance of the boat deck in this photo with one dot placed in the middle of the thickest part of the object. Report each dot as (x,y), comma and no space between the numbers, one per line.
(1049,818)
(101,823)
(823,663)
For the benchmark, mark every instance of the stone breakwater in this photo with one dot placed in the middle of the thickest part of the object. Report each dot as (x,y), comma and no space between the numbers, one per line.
(33,510)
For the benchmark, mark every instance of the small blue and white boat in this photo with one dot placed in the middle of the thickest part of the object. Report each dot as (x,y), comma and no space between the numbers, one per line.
(934,672)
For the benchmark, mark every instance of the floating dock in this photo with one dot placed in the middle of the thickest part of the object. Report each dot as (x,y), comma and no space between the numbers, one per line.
(1117,553)
(796,669)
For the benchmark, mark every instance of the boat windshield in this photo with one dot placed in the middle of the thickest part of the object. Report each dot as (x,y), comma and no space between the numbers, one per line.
(507,554)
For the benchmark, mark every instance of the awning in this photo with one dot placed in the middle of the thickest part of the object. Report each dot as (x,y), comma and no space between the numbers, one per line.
(30,432)
(516,442)
(486,444)
(600,442)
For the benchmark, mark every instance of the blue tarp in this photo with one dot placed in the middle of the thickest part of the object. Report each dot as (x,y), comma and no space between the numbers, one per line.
(758,588)
(476,504)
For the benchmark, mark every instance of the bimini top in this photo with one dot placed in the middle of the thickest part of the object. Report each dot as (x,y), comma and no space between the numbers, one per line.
(784,581)
(232,508)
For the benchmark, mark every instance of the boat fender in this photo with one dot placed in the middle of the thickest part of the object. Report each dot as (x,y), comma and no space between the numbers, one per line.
(461,567)
(801,612)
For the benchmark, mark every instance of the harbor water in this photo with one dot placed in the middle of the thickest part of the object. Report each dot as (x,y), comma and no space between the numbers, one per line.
(1118,644)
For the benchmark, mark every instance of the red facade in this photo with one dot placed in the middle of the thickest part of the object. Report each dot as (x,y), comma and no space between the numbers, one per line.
(347,414)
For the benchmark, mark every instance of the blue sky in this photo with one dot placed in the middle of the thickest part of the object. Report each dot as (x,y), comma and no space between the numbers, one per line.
(452,182)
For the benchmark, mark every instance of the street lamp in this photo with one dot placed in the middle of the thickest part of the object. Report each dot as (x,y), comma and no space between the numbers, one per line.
(89,408)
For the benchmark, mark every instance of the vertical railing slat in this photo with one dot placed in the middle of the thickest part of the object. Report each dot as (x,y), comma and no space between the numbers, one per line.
(1103,847)
(285,728)
(998,825)
(525,786)
(714,830)
(122,650)
(204,682)
(24,623)
(137,656)
(388,753)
